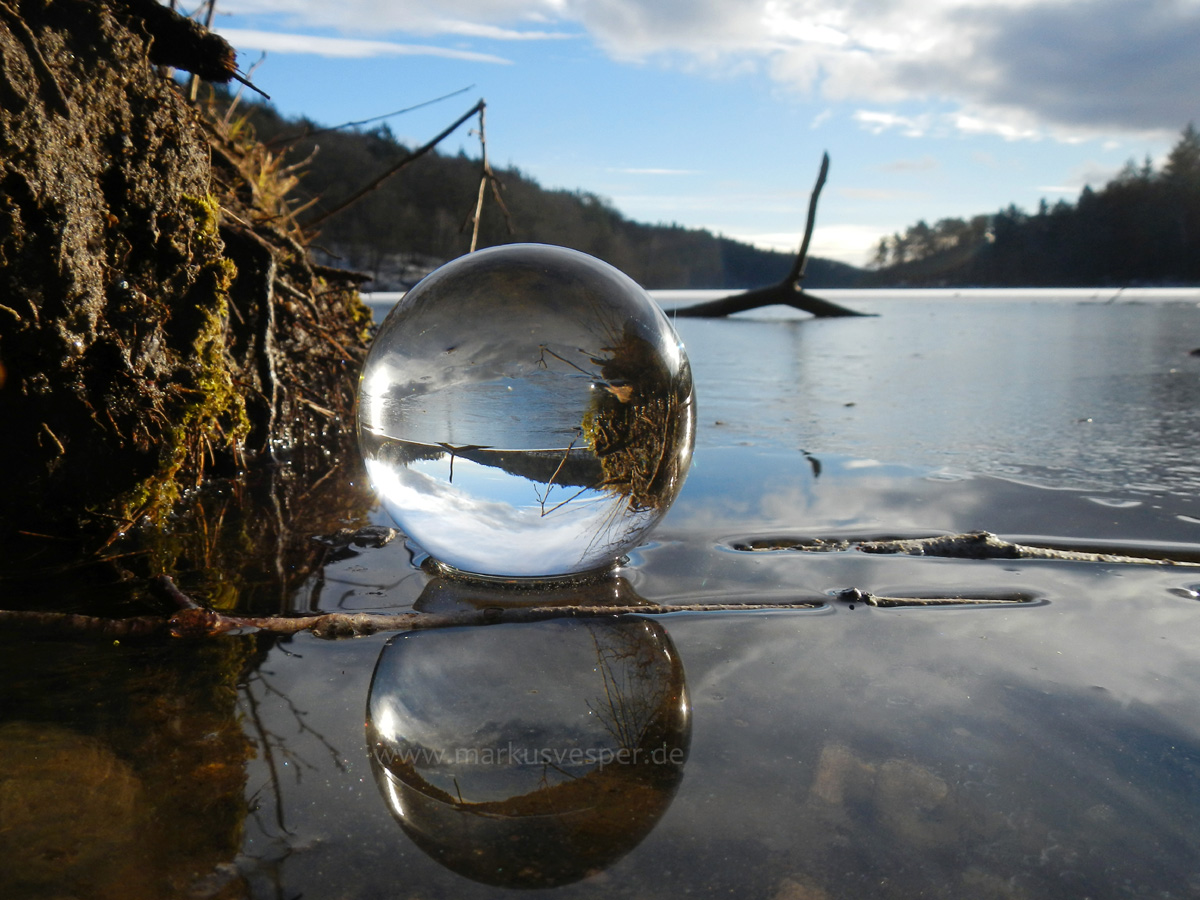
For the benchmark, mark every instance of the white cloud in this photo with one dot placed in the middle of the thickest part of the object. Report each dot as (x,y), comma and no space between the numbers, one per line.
(783,241)
(423,17)
(275,42)
(780,22)
(1019,69)
(877,122)
(494,33)
(1003,127)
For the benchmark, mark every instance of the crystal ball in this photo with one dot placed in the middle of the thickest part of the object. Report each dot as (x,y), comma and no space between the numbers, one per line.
(526,411)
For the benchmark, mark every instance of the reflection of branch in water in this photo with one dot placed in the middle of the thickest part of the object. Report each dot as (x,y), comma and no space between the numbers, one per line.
(264,741)
(628,710)
(271,742)
(342,545)
(302,726)
(379,590)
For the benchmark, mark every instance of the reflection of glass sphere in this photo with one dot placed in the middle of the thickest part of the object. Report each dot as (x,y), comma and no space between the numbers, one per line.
(526,411)
(529,755)
(443,594)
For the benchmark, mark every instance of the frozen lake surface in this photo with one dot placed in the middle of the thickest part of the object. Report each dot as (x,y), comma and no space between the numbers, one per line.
(1045,744)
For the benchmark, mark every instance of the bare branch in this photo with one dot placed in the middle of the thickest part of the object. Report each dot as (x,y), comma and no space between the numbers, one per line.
(487,176)
(195,621)
(411,157)
(972,545)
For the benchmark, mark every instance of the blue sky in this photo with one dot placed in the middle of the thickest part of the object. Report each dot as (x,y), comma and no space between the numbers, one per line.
(714,113)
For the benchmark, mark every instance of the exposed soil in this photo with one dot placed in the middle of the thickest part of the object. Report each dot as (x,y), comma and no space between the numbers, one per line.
(160,320)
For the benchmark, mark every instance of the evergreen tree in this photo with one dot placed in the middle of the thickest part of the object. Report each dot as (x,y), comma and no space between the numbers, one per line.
(1143,227)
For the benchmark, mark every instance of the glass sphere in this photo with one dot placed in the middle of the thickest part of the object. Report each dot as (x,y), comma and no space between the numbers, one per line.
(526,411)
(529,755)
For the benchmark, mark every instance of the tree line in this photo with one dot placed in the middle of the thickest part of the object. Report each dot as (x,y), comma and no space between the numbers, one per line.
(1143,227)
(420,217)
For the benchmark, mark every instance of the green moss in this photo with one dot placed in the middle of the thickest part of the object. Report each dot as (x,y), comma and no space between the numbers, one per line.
(207,414)
(206,213)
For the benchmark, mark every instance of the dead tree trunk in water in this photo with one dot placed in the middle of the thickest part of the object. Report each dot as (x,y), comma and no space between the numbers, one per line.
(788,292)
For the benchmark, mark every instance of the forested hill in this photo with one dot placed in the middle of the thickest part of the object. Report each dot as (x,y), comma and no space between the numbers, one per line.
(1142,228)
(415,220)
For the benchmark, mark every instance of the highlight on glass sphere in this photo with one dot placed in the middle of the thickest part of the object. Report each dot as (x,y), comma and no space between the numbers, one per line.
(526,411)
(529,755)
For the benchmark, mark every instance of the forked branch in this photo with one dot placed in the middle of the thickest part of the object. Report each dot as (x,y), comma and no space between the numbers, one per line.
(790,291)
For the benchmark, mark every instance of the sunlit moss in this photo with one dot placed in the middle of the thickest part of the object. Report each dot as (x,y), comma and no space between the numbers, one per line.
(634,419)
(206,412)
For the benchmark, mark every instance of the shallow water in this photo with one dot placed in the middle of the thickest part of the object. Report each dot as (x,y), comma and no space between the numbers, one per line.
(1048,748)
(1078,392)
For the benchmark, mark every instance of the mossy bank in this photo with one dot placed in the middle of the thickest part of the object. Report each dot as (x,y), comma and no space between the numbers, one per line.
(160,320)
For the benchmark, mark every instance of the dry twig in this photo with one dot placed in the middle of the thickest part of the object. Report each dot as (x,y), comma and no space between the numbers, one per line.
(487,177)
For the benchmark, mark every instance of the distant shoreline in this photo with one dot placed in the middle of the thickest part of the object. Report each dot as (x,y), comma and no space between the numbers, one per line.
(679,298)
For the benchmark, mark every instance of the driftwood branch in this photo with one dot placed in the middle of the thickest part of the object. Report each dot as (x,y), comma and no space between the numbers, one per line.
(194,621)
(985,545)
(205,623)
(69,624)
(790,291)
(972,545)
(409,158)
(796,275)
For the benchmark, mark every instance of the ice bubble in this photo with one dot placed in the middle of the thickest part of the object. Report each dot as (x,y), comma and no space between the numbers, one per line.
(526,411)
